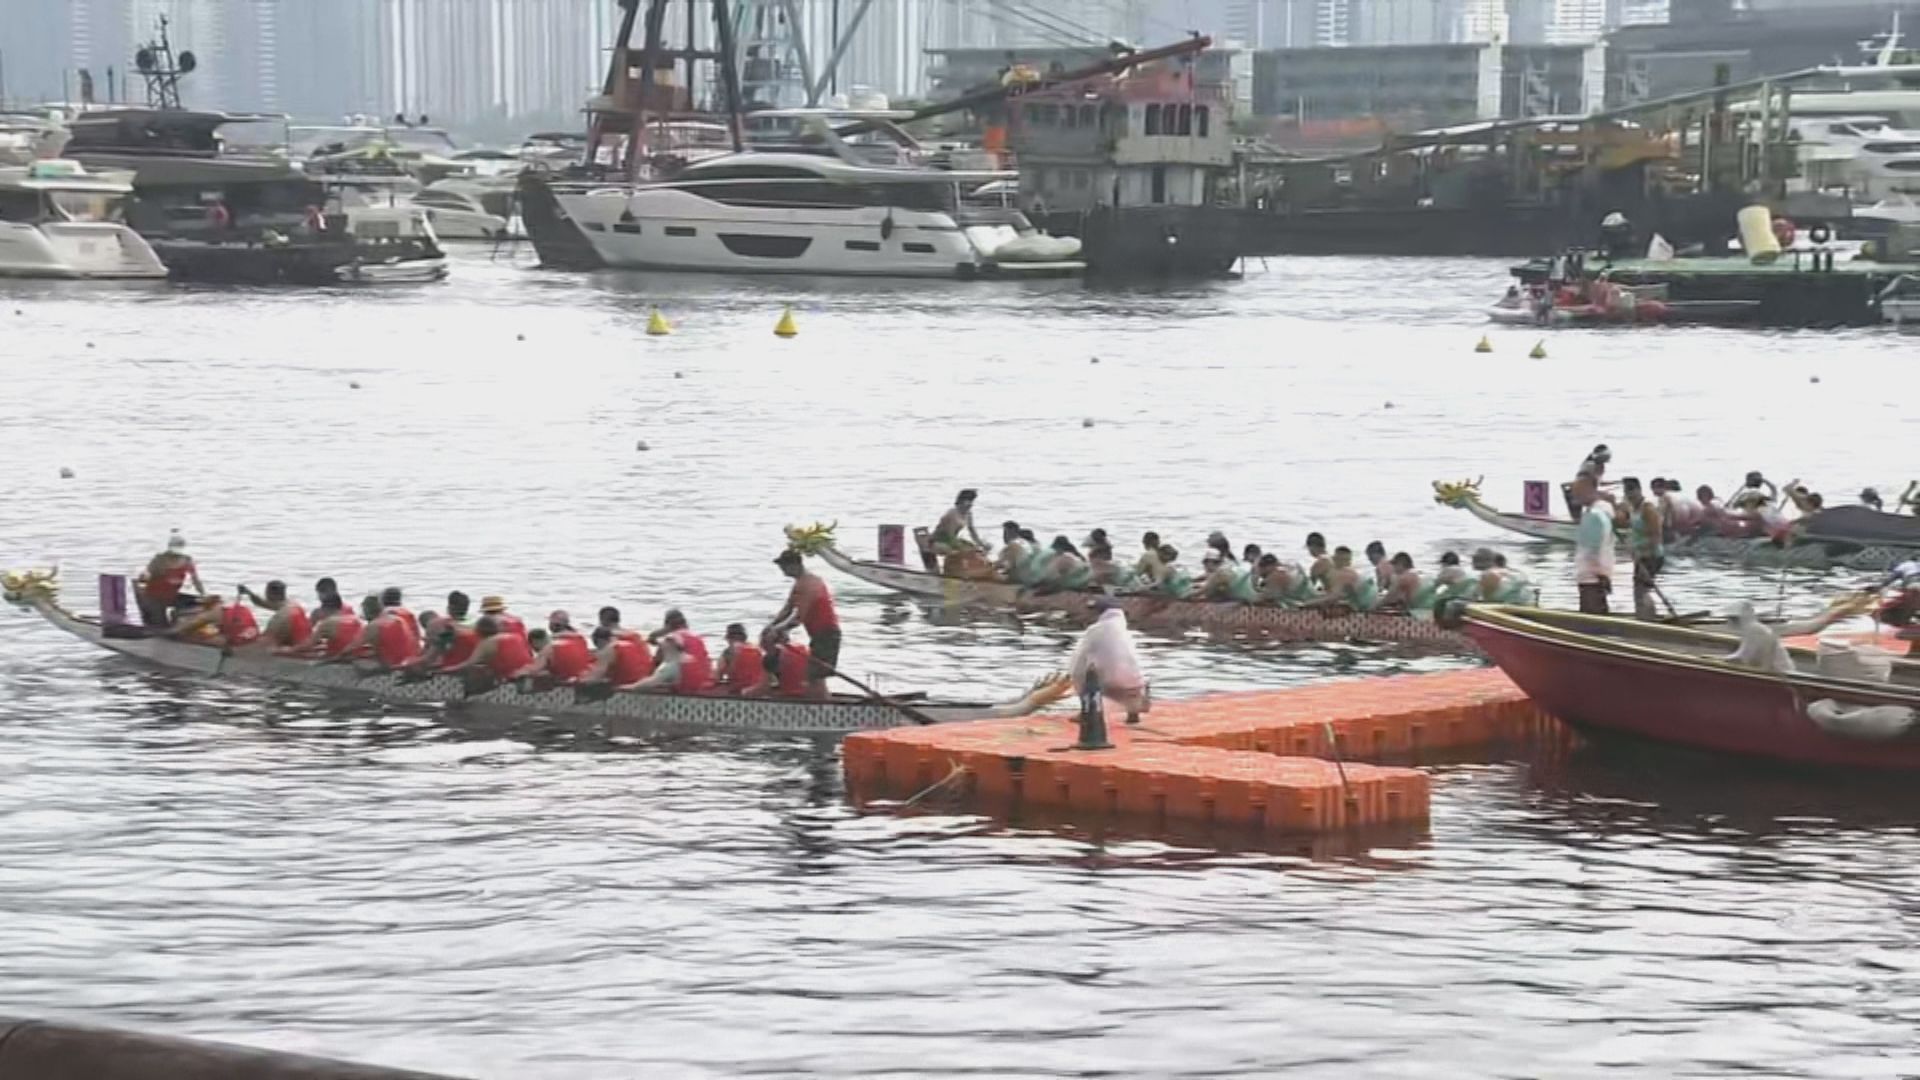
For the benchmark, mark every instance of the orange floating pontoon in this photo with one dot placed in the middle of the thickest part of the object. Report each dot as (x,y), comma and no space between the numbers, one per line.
(1291,761)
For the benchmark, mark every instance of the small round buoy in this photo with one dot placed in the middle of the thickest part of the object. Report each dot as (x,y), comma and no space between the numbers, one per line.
(1539,350)
(1485,345)
(1087,423)
(519,337)
(677,375)
(89,344)
(66,473)
(1095,360)
(353,386)
(1815,379)
(642,445)
(1389,404)
(16,311)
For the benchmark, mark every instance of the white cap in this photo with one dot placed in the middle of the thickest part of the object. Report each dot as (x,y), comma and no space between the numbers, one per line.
(176,542)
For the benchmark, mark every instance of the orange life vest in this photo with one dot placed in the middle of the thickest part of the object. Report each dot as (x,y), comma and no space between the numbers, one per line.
(405,616)
(398,642)
(237,626)
(299,627)
(346,634)
(794,661)
(511,656)
(740,666)
(570,658)
(631,662)
(460,649)
(167,586)
(696,667)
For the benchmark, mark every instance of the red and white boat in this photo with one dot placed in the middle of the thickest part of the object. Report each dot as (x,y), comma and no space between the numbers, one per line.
(1673,685)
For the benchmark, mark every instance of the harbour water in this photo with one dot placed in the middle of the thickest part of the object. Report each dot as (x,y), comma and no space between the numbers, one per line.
(226,861)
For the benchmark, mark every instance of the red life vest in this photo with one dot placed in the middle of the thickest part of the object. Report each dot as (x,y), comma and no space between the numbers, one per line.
(696,668)
(511,656)
(237,626)
(405,616)
(167,586)
(794,661)
(397,643)
(740,666)
(631,662)
(511,624)
(570,658)
(299,627)
(346,634)
(460,649)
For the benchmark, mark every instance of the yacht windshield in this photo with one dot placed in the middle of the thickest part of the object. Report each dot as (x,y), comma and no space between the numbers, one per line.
(84,206)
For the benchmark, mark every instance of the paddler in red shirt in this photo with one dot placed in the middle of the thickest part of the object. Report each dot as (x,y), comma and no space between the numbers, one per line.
(680,670)
(219,623)
(738,669)
(566,656)
(450,641)
(157,592)
(501,657)
(619,662)
(289,628)
(508,622)
(785,669)
(810,605)
(610,621)
(695,646)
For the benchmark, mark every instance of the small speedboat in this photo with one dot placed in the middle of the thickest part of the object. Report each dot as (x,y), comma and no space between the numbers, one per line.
(1680,686)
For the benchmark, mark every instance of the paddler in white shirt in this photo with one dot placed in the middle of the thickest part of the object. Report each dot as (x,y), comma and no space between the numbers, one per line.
(1107,647)
(1011,563)
(1593,545)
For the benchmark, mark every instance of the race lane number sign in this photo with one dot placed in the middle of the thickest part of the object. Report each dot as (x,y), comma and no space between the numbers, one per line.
(1535,501)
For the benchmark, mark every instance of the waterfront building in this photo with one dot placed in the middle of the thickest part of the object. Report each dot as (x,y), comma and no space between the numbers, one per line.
(1410,87)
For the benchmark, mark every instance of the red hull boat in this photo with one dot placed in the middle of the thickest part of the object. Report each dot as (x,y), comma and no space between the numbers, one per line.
(1674,685)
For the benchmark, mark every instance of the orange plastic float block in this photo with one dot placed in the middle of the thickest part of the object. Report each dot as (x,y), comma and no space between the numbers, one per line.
(1394,718)
(1002,766)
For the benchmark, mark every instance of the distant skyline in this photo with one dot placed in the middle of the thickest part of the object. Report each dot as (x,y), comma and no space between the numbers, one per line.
(479,62)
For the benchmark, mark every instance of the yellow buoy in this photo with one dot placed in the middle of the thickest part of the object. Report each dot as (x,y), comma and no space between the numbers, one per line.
(785,327)
(1539,350)
(1486,344)
(657,324)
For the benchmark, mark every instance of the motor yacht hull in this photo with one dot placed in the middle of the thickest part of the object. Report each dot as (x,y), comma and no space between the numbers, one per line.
(76,249)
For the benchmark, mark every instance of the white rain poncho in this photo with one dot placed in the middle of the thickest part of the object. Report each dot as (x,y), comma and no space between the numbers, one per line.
(1108,646)
(1759,647)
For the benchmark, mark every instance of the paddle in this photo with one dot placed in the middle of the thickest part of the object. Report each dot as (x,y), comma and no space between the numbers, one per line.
(907,711)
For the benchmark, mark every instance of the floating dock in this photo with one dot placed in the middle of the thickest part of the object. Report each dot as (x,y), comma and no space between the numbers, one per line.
(1308,760)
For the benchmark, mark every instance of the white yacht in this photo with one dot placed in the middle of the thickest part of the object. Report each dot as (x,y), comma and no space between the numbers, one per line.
(470,209)
(822,204)
(1873,158)
(29,137)
(57,220)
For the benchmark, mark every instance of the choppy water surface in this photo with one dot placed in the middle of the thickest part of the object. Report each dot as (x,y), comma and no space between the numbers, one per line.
(277,868)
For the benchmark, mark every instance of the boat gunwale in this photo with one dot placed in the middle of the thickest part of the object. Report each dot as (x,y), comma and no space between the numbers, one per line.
(1539,626)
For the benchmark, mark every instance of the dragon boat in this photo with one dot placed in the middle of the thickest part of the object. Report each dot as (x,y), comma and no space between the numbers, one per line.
(1848,536)
(618,712)
(1271,621)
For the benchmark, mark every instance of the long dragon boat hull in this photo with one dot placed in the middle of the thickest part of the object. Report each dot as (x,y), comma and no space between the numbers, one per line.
(1231,617)
(1672,685)
(618,713)
(1812,547)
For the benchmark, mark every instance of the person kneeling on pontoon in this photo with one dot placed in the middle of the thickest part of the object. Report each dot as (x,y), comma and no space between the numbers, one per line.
(1107,648)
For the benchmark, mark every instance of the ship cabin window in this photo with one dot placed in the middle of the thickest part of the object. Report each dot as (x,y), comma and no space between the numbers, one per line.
(19,206)
(1186,120)
(1089,116)
(786,187)
(1153,119)
(1200,120)
(914,248)
(1068,118)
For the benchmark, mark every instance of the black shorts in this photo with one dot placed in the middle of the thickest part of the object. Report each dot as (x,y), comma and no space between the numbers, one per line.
(825,647)
(1593,597)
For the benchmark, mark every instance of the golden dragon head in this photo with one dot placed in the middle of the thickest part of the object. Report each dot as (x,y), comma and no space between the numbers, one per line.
(1457,495)
(23,586)
(811,540)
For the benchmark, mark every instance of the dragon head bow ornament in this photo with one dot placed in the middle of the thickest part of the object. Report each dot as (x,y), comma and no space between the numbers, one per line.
(1458,494)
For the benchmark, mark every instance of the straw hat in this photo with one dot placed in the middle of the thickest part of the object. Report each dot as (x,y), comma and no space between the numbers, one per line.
(492,605)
